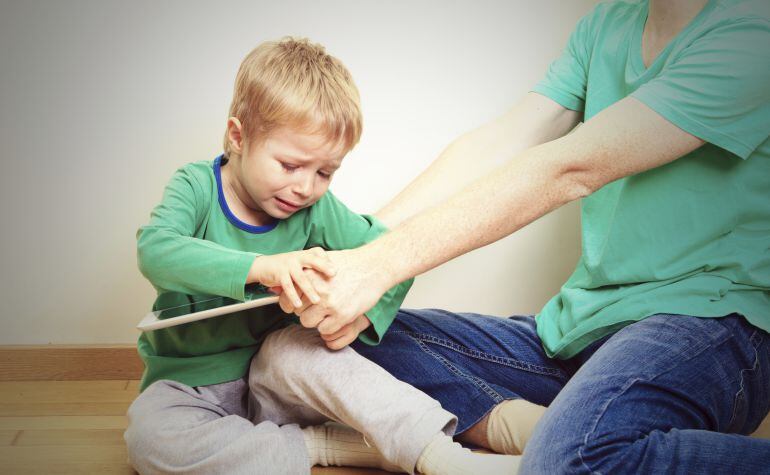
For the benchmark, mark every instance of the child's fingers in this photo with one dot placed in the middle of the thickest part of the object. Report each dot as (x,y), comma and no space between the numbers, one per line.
(318,260)
(285,303)
(299,278)
(290,291)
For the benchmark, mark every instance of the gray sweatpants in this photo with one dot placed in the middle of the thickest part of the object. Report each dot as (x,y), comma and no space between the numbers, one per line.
(253,426)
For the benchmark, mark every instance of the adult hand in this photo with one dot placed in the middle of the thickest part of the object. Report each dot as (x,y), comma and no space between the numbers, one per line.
(335,341)
(308,319)
(347,334)
(286,270)
(357,285)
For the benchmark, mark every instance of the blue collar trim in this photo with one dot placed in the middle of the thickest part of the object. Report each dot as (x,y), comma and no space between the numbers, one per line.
(226,209)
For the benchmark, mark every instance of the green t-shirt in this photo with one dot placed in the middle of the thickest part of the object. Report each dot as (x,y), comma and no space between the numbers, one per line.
(691,237)
(195,246)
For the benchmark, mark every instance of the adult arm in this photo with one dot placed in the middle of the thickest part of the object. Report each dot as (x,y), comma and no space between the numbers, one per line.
(693,100)
(625,139)
(534,120)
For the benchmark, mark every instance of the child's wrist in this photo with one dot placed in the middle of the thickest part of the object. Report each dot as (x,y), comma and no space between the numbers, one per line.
(255,271)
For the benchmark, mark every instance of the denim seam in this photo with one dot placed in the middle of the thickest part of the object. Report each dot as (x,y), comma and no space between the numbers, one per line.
(612,399)
(741,391)
(479,383)
(596,423)
(484,356)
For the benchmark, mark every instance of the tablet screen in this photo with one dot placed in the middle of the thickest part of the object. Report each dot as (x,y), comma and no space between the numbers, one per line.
(175,304)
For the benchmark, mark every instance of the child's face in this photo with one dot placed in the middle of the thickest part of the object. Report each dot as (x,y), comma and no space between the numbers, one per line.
(288,171)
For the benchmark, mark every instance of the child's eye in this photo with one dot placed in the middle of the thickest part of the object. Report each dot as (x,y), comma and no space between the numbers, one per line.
(288,167)
(324,175)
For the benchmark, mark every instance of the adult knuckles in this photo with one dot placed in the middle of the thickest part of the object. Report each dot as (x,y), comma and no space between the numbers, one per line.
(306,322)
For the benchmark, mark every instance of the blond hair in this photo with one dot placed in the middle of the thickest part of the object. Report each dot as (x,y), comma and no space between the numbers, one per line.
(295,83)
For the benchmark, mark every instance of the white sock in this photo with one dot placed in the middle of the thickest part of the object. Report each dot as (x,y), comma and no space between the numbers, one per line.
(511,424)
(334,444)
(443,456)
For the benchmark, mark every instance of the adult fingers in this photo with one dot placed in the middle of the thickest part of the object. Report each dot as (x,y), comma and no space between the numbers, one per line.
(300,278)
(311,317)
(331,324)
(348,337)
(338,334)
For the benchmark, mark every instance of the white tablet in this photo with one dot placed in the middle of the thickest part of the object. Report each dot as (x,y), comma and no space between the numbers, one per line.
(200,308)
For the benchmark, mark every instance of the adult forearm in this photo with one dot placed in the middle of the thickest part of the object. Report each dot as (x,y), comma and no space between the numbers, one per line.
(533,121)
(489,209)
(469,157)
(624,139)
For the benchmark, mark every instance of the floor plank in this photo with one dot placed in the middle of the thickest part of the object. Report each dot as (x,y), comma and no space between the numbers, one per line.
(65,392)
(64,409)
(31,455)
(133,386)
(68,468)
(8,436)
(63,422)
(70,437)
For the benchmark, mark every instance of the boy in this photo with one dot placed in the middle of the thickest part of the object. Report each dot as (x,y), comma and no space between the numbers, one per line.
(248,218)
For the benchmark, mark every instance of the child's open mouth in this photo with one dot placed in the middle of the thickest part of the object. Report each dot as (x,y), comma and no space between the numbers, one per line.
(286,205)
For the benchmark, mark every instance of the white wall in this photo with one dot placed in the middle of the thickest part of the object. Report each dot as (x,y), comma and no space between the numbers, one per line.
(100,101)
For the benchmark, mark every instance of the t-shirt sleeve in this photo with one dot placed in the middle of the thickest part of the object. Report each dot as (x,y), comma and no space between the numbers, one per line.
(333,227)
(172,259)
(718,88)
(567,76)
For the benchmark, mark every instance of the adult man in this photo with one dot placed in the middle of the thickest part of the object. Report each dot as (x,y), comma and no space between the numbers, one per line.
(667,313)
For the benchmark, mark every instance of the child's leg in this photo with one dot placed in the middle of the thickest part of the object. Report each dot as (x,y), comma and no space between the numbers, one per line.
(173,428)
(297,379)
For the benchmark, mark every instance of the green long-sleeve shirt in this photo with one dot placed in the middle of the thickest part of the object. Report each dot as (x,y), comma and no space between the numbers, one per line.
(194,245)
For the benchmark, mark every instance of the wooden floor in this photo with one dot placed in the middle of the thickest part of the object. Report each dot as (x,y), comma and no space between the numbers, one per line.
(74,427)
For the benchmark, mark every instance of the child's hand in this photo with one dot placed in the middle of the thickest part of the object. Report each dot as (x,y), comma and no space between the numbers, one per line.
(286,270)
(347,334)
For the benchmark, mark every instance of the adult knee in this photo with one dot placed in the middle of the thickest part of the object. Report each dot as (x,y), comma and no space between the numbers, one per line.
(563,450)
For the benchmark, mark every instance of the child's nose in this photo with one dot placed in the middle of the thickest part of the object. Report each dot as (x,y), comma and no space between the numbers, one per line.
(304,186)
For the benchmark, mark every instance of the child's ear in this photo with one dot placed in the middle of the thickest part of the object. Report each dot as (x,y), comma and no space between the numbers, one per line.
(234,135)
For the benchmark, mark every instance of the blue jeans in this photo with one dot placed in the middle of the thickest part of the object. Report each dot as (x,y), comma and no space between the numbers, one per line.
(670,393)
